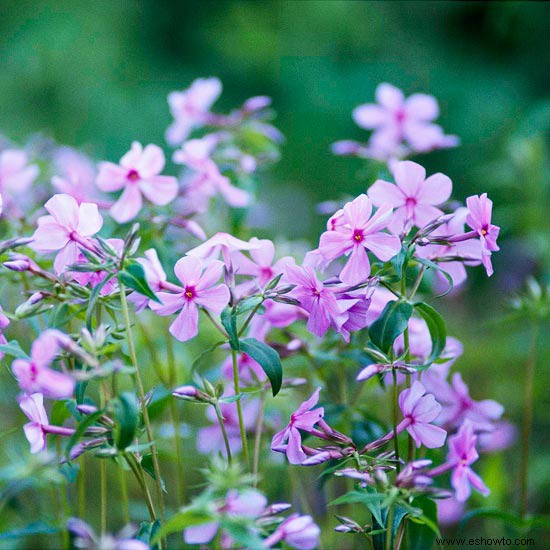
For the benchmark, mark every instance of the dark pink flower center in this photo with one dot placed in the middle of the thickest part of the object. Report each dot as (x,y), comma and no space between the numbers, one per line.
(400,116)
(132,175)
(266,272)
(358,235)
(485,230)
(189,292)
(410,202)
(33,372)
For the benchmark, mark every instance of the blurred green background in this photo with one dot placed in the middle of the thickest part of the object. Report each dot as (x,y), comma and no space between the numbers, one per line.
(96,75)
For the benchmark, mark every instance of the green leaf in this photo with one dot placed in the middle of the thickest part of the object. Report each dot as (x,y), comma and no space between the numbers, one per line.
(267,358)
(423,529)
(229,322)
(392,322)
(35,528)
(127,418)
(148,467)
(94,297)
(14,349)
(242,534)
(433,265)
(147,531)
(437,328)
(80,431)
(133,276)
(399,512)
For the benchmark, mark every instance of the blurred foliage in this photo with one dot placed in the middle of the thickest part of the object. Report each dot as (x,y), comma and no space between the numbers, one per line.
(96,75)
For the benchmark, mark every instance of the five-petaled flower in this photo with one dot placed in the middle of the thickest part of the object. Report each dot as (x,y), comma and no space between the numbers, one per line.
(67,228)
(138,173)
(413,196)
(199,288)
(354,232)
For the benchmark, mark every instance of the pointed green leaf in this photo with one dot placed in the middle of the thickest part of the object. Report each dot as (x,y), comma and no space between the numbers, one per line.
(267,358)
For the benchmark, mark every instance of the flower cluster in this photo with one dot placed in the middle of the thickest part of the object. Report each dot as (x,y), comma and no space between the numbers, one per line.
(341,317)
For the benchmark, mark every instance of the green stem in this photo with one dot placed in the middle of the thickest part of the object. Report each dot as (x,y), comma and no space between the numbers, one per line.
(242,428)
(395,416)
(124,495)
(389,525)
(249,318)
(141,393)
(417,282)
(528,417)
(81,488)
(103,485)
(224,433)
(136,469)
(258,439)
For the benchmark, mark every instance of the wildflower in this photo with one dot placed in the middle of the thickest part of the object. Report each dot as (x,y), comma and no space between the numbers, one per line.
(199,289)
(396,119)
(68,226)
(155,275)
(319,301)
(34,374)
(191,108)
(355,233)
(4,323)
(462,453)
(289,440)
(138,173)
(299,532)
(38,427)
(223,243)
(16,175)
(413,196)
(419,410)
(479,219)
(196,155)
(86,538)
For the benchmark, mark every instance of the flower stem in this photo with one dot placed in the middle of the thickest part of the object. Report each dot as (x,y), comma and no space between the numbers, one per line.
(249,318)
(103,484)
(528,417)
(141,393)
(124,495)
(395,409)
(242,428)
(132,462)
(389,525)
(258,439)
(224,433)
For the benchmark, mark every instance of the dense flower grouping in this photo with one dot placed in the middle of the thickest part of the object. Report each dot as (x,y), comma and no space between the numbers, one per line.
(350,305)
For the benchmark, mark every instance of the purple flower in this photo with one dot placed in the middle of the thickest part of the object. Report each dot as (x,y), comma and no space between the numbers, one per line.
(319,301)
(199,289)
(34,374)
(33,407)
(462,453)
(355,232)
(413,196)
(68,226)
(138,174)
(419,410)
(4,323)
(479,219)
(396,119)
(16,175)
(155,275)
(191,108)
(195,154)
(299,532)
(223,243)
(289,440)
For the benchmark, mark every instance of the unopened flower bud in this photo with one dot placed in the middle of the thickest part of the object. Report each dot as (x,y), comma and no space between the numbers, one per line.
(256,103)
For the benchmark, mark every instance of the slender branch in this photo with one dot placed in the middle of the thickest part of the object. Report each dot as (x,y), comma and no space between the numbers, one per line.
(258,439)
(249,318)
(395,409)
(224,433)
(242,428)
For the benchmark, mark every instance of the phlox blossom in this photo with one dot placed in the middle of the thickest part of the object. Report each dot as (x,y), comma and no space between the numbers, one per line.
(289,440)
(33,407)
(223,243)
(138,173)
(355,232)
(68,226)
(4,323)
(413,196)
(34,374)
(16,174)
(419,410)
(299,532)
(191,108)
(199,289)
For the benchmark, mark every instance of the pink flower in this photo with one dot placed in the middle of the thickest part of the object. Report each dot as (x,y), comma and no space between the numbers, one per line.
(33,407)
(34,374)
(16,175)
(138,174)
(191,108)
(449,511)
(4,323)
(199,289)
(479,219)
(414,197)
(68,226)
(419,410)
(250,371)
(155,275)
(319,301)
(355,232)
(223,243)
(299,532)
(462,453)
(248,503)
(458,405)
(396,119)
(289,440)
(195,154)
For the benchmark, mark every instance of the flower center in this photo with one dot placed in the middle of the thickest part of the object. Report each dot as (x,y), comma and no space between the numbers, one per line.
(132,175)
(484,230)
(266,272)
(400,115)
(410,202)
(189,292)
(33,372)
(358,235)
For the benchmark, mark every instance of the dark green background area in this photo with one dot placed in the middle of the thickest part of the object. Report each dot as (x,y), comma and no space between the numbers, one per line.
(96,75)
